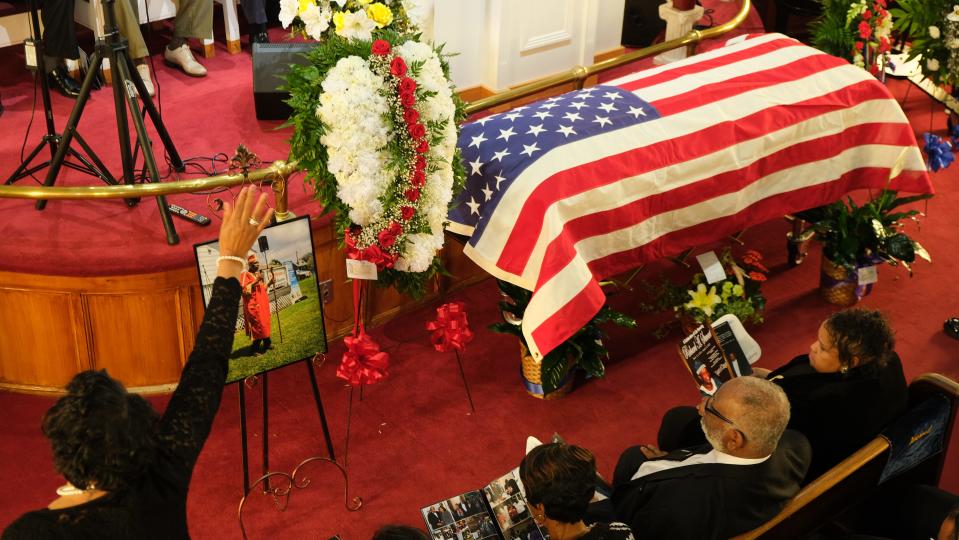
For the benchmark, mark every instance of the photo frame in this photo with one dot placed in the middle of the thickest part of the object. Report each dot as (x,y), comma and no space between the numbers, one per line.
(280,318)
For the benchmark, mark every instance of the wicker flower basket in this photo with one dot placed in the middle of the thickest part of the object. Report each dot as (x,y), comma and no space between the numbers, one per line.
(532,380)
(838,284)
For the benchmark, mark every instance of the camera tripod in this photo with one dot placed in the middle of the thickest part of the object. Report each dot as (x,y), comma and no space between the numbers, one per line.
(51,139)
(127,85)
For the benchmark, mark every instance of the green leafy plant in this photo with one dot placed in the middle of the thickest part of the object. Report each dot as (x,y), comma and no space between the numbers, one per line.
(584,349)
(739,294)
(830,32)
(871,232)
(926,25)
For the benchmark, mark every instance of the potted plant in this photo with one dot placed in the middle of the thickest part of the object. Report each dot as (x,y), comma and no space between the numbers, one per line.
(553,376)
(696,302)
(855,238)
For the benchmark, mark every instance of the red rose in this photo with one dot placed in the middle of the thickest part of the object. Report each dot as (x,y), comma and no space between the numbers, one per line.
(387,237)
(423,147)
(420,163)
(407,85)
(407,99)
(412,195)
(866,15)
(398,67)
(864,30)
(419,178)
(380,47)
(410,116)
(881,3)
(407,212)
(859,45)
(417,131)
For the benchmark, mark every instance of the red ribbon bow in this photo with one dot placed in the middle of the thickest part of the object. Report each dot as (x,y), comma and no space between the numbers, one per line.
(363,362)
(450,330)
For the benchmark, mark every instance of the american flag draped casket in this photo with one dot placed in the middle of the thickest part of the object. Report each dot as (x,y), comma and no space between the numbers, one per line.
(588,184)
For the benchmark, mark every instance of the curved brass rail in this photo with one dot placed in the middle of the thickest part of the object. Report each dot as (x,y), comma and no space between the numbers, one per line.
(281,169)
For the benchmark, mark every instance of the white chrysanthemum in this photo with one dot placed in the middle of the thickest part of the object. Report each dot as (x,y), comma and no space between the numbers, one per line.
(932,64)
(357,25)
(418,253)
(934,32)
(288,11)
(352,109)
(953,43)
(316,20)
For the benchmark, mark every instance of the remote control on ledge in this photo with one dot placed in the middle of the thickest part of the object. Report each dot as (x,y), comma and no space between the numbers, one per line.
(188,215)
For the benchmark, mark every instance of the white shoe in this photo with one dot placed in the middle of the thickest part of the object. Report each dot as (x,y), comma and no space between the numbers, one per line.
(144,71)
(182,58)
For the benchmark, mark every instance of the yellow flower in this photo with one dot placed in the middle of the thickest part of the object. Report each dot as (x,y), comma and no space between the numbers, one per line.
(303,5)
(703,300)
(380,14)
(337,20)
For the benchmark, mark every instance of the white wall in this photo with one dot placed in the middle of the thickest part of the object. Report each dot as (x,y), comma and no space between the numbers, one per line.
(503,43)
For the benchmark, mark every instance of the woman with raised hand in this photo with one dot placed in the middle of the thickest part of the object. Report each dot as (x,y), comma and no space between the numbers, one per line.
(131,466)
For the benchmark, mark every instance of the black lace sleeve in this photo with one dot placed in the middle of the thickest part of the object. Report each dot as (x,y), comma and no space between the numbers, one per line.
(189,415)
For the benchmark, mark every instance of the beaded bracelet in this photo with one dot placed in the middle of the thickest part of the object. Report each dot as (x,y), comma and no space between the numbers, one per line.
(230,258)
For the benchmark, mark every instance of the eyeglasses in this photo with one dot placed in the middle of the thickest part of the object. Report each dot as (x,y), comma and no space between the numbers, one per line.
(708,407)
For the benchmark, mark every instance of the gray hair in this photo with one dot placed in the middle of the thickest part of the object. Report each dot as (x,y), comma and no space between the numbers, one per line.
(765,412)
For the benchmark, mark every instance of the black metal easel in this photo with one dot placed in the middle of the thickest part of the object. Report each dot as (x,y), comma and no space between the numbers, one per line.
(127,85)
(51,139)
(294,480)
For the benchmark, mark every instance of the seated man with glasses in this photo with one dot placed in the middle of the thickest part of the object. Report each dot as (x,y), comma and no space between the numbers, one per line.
(751,467)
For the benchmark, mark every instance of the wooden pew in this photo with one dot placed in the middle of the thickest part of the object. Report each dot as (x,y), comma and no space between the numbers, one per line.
(849,482)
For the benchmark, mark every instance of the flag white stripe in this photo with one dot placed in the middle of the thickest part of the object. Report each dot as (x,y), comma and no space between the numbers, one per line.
(591,149)
(728,159)
(566,284)
(706,56)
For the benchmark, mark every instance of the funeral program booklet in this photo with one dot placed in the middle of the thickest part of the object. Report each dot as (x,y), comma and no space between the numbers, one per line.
(716,353)
(499,510)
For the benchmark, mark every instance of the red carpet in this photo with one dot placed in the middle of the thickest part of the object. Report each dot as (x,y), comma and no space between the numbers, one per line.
(412,438)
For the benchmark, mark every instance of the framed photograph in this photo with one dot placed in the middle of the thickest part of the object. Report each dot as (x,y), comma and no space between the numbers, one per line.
(280,319)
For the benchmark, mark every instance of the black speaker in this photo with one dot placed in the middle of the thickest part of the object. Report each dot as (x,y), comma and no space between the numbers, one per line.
(264,243)
(271,62)
(641,23)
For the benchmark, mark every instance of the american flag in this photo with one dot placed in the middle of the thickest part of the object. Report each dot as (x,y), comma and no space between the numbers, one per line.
(566,191)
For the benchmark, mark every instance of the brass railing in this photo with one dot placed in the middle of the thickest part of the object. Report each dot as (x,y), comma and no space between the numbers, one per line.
(279,170)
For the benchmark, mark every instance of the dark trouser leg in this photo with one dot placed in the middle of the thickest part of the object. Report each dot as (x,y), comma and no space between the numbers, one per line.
(255,347)
(254,11)
(680,428)
(59,32)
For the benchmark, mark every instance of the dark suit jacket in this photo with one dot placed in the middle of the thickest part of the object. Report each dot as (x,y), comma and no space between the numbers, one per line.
(839,413)
(713,501)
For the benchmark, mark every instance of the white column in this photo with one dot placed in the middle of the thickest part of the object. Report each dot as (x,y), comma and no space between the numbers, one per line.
(678,24)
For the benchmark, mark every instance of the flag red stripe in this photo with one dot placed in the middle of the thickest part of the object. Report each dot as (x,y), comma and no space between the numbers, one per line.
(569,318)
(704,65)
(595,174)
(563,248)
(572,316)
(711,93)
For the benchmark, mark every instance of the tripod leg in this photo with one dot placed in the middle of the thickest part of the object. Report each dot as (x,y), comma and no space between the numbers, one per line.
(155,117)
(71,128)
(123,75)
(97,165)
(19,173)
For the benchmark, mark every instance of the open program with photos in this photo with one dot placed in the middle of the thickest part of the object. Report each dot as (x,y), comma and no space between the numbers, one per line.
(499,510)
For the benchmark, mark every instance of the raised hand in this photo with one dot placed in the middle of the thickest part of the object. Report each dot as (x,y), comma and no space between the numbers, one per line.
(243,221)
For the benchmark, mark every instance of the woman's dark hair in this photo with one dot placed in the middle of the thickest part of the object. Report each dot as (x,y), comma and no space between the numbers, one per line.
(562,478)
(101,435)
(861,333)
(399,532)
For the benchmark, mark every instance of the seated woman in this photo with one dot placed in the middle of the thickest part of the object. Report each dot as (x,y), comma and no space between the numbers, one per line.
(560,480)
(131,465)
(842,393)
